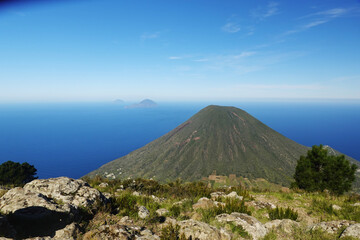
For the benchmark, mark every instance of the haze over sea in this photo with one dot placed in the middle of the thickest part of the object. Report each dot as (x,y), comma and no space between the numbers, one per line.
(72,139)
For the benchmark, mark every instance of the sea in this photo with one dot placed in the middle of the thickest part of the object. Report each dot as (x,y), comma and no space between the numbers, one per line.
(72,139)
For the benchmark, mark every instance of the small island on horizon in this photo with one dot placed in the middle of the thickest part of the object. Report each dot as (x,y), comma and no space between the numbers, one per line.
(146,103)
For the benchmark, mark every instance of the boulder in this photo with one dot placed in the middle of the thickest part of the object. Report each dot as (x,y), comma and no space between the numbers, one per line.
(285,225)
(234,195)
(162,211)
(120,232)
(250,224)
(352,231)
(48,207)
(202,231)
(67,190)
(336,207)
(143,212)
(216,195)
(331,227)
(204,203)
(262,204)
(103,185)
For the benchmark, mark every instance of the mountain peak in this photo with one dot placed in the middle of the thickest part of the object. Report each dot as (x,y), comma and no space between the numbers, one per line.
(225,139)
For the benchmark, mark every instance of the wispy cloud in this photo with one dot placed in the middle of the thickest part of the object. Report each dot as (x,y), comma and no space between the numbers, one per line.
(231,27)
(319,18)
(201,60)
(153,35)
(175,58)
(330,13)
(270,10)
(244,54)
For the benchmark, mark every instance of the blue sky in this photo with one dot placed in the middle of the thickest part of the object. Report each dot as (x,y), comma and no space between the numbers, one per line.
(101,50)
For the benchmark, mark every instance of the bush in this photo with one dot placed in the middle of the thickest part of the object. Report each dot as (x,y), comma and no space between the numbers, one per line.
(14,173)
(231,205)
(318,171)
(281,213)
(171,232)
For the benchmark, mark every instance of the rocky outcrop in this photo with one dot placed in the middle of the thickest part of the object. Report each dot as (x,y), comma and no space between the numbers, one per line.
(67,190)
(217,195)
(162,211)
(121,232)
(143,212)
(352,231)
(250,224)
(204,203)
(48,207)
(202,231)
(331,227)
(284,225)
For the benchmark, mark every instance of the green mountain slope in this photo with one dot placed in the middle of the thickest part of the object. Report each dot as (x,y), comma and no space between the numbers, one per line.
(225,139)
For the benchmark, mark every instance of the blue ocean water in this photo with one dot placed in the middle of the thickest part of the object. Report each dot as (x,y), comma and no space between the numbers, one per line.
(73,139)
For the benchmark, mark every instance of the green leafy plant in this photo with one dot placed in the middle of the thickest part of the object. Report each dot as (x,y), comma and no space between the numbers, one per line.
(282,213)
(318,171)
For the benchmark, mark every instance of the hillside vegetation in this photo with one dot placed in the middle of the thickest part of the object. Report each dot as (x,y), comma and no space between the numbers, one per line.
(225,139)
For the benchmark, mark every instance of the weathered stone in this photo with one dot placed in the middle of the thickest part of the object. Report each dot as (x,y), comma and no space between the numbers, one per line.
(352,231)
(67,190)
(250,224)
(162,211)
(234,195)
(137,194)
(356,204)
(203,203)
(262,204)
(331,227)
(143,212)
(202,231)
(48,207)
(216,195)
(69,232)
(103,185)
(285,225)
(336,207)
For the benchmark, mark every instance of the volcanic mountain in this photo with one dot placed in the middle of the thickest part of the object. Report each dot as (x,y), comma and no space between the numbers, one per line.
(225,139)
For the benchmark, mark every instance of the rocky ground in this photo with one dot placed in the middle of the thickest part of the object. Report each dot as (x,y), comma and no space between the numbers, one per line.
(64,208)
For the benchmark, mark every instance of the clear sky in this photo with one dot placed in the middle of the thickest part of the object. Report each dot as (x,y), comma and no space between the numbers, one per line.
(168,50)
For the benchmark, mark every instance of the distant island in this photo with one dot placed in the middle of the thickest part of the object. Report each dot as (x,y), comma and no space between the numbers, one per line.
(146,103)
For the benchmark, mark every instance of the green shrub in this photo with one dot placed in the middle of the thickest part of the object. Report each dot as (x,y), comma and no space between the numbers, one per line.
(175,211)
(318,171)
(231,205)
(282,213)
(239,230)
(171,232)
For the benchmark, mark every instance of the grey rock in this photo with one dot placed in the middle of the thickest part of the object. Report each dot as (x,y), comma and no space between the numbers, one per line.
(202,231)
(250,224)
(285,225)
(204,203)
(143,212)
(331,227)
(103,185)
(162,211)
(352,231)
(68,190)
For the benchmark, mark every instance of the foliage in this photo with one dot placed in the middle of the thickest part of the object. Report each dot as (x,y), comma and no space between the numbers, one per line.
(319,171)
(238,229)
(171,232)
(13,173)
(347,210)
(231,205)
(281,213)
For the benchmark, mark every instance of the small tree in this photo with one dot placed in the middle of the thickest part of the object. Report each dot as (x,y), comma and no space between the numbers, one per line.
(16,174)
(318,171)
